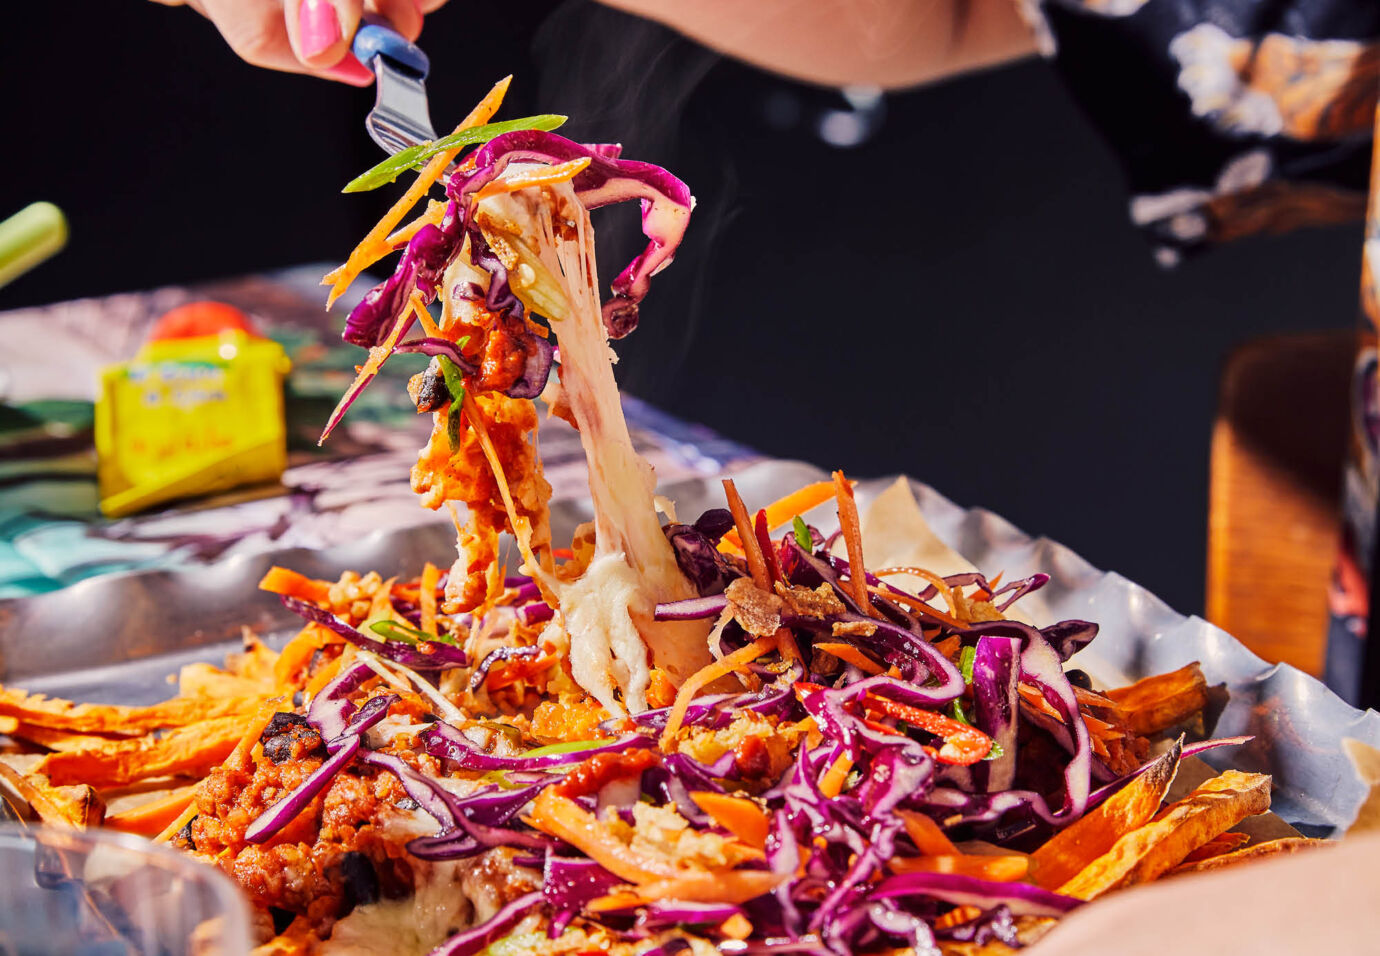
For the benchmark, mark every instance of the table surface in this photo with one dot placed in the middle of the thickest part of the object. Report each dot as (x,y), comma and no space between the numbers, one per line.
(52,535)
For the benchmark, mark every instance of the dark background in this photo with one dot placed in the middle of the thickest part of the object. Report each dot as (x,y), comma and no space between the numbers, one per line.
(961,297)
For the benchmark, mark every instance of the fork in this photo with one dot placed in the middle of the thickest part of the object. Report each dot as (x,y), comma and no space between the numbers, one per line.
(400,117)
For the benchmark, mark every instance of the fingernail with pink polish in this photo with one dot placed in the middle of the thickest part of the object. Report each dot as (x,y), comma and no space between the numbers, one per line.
(318,27)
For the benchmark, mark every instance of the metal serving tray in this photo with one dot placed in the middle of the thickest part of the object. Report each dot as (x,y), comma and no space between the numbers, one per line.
(117,638)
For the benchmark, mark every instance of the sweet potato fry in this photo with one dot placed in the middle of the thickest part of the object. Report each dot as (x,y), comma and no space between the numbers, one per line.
(1218,845)
(187,751)
(999,869)
(1157,703)
(255,662)
(1065,854)
(149,818)
(75,806)
(206,680)
(111,719)
(1261,851)
(65,740)
(1157,847)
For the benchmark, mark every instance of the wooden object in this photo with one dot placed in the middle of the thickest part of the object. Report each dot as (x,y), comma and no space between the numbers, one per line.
(1277,448)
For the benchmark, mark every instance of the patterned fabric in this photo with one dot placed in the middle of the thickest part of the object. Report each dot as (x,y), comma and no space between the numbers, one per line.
(1233,117)
(1239,117)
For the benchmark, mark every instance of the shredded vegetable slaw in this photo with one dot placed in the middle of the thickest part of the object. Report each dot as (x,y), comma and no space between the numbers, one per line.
(728,735)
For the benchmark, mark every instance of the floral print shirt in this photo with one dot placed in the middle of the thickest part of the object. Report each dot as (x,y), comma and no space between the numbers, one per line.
(1239,117)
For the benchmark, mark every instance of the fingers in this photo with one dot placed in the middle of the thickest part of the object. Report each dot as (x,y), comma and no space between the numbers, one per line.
(405,16)
(254,30)
(307,36)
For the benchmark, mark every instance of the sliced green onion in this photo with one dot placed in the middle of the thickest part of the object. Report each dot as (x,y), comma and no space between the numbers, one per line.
(569,746)
(415,156)
(455,384)
(394,631)
(996,753)
(500,777)
(802,535)
(965,663)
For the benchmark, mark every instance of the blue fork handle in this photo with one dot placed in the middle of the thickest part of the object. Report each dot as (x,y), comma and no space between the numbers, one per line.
(376,39)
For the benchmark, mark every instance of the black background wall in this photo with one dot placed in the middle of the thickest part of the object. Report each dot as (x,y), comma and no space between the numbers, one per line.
(960,297)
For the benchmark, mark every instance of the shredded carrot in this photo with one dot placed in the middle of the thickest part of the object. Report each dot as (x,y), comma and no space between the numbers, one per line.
(284,581)
(915,604)
(939,583)
(435,212)
(810,729)
(381,607)
(252,732)
(783,510)
(1099,729)
(757,565)
(850,654)
(695,886)
(375,246)
(1000,869)
(327,673)
(790,651)
(423,314)
(297,654)
(852,538)
(726,665)
(180,821)
(565,819)
(514,671)
(926,834)
(426,599)
(951,647)
(738,815)
(377,356)
(150,819)
(831,784)
(769,556)
(540,176)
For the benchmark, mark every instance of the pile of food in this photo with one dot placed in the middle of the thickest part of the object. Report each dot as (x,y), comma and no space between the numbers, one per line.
(727,734)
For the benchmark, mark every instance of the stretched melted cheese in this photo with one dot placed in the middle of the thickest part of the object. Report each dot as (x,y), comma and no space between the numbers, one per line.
(634,566)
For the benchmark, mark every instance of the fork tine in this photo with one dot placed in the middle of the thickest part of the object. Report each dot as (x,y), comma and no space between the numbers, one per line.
(400,117)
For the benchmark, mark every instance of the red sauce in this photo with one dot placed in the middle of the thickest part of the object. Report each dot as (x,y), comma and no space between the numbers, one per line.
(595,773)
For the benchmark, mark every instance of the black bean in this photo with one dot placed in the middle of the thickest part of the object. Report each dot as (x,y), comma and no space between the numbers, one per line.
(282,918)
(1079,678)
(361,881)
(184,836)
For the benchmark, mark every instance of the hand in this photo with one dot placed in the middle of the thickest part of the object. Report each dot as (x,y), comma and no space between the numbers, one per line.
(307,36)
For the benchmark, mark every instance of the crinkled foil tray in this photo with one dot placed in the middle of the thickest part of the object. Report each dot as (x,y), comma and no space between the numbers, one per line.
(116,638)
